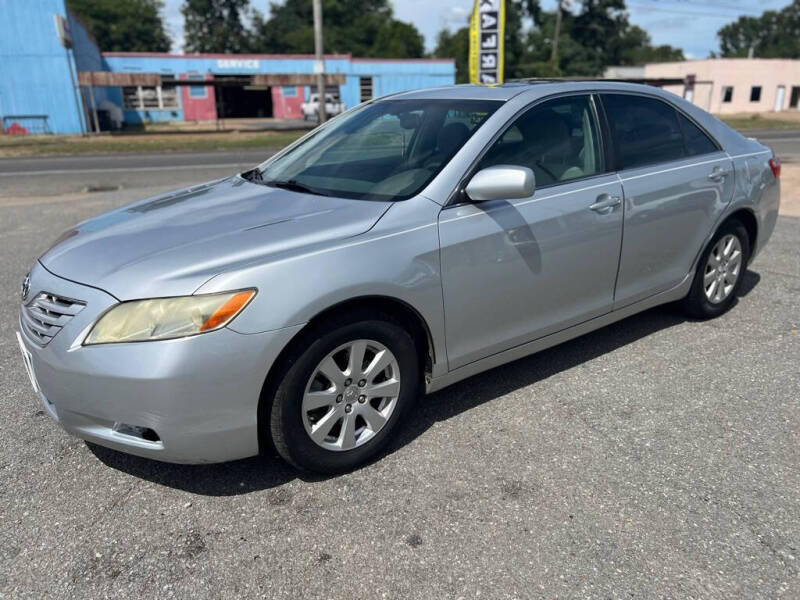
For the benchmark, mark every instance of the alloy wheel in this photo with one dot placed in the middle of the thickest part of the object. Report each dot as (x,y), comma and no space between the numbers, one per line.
(351,395)
(723,269)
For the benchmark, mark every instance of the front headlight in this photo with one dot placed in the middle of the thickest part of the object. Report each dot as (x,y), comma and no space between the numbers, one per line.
(167,318)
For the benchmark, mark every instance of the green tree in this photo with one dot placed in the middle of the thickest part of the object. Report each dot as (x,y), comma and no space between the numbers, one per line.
(636,48)
(598,35)
(772,35)
(455,45)
(366,29)
(215,26)
(124,25)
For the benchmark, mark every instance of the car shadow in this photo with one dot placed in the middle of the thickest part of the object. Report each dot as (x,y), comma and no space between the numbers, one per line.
(269,471)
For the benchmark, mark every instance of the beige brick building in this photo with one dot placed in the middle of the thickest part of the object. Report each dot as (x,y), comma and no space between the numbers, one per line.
(735,85)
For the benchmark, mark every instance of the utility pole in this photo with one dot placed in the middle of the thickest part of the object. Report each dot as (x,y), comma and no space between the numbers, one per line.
(319,64)
(554,54)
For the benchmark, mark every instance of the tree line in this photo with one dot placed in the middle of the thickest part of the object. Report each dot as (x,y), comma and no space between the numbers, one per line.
(592,34)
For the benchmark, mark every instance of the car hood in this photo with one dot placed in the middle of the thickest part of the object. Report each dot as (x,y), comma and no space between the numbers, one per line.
(173,243)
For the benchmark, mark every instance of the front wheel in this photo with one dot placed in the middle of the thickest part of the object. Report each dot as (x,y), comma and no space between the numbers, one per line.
(344,395)
(720,272)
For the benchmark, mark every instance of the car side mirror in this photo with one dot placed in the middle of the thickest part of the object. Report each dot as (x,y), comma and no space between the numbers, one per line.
(501,182)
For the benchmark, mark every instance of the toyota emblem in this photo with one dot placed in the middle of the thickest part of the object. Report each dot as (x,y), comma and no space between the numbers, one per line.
(26,287)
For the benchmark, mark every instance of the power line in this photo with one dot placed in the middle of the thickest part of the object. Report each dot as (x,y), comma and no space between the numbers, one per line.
(737,7)
(677,11)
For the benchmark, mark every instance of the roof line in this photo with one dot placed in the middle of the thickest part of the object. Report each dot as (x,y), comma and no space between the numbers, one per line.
(219,55)
(212,55)
(408,60)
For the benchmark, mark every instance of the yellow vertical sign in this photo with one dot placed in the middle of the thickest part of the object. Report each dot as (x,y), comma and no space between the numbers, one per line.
(486,48)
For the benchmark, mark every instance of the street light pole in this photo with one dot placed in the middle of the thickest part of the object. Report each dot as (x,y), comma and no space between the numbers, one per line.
(319,65)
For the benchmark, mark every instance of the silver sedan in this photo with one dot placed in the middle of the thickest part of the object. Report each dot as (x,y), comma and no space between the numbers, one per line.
(407,244)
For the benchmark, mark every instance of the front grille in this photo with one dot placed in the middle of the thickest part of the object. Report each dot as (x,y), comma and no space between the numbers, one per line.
(44,316)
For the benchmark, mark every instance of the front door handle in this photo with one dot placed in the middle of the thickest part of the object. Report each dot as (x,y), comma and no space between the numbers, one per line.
(605,203)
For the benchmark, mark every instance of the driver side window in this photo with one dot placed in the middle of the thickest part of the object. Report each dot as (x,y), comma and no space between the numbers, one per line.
(558,140)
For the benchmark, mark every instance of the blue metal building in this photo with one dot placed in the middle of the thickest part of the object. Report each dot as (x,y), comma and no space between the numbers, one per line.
(53,78)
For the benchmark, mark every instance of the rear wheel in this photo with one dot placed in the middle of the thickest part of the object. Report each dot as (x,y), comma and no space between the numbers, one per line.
(720,272)
(344,394)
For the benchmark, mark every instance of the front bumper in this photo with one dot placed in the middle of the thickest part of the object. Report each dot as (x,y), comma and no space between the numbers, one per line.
(198,394)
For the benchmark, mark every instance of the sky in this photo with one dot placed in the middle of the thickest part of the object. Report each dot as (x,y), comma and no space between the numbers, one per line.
(687,24)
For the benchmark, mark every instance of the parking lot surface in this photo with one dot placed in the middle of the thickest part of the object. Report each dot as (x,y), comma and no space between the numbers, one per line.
(658,457)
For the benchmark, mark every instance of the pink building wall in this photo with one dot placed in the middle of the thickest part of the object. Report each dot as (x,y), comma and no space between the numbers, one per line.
(287,107)
(776,77)
(198,109)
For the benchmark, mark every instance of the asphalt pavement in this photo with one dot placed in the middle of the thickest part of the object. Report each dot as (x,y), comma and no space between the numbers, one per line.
(657,458)
(786,144)
(56,175)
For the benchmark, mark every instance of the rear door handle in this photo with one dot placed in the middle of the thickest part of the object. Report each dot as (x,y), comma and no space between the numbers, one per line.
(717,174)
(605,203)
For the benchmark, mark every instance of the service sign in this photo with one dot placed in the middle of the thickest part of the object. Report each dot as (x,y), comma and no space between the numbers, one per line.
(486,31)
(241,64)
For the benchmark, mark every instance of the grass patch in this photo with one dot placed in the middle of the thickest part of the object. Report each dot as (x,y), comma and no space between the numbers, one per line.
(758,122)
(11,145)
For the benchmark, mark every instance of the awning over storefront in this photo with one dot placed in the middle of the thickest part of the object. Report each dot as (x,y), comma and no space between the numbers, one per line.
(112,79)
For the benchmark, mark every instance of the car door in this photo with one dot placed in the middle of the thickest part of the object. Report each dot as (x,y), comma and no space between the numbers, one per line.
(676,180)
(515,270)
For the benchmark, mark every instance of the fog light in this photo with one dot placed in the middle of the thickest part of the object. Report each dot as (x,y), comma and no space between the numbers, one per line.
(143,433)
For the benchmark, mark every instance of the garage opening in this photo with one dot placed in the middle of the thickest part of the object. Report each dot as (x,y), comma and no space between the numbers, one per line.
(238,98)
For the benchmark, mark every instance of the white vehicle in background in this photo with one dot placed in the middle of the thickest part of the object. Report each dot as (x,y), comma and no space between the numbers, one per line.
(311,107)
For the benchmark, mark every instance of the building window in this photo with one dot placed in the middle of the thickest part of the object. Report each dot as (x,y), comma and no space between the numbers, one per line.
(197,91)
(289,91)
(727,94)
(130,98)
(794,99)
(755,93)
(163,97)
(168,93)
(365,88)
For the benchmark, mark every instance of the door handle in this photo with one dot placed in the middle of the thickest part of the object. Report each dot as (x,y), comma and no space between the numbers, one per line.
(605,203)
(718,174)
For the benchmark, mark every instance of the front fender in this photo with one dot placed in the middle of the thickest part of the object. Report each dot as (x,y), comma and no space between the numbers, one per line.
(398,258)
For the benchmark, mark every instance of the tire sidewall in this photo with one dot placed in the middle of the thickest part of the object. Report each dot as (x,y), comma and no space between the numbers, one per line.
(700,305)
(287,405)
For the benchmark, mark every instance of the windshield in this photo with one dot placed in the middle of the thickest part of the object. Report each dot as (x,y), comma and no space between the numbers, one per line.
(387,150)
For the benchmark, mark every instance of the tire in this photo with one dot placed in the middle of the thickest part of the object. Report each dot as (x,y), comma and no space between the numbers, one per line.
(703,305)
(373,419)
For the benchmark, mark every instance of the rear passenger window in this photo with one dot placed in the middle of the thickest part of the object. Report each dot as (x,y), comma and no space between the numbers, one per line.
(697,142)
(558,140)
(645,130)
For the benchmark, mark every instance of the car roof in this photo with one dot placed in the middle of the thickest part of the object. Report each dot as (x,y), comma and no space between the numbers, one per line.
(533,88)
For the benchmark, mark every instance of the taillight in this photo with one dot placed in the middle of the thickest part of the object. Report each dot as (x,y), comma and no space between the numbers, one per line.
(775,165)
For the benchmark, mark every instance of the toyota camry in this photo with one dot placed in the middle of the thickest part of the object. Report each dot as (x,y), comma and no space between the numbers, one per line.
(407,244)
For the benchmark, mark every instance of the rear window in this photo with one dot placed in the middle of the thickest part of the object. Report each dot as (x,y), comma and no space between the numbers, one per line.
(697,142)
(645,130)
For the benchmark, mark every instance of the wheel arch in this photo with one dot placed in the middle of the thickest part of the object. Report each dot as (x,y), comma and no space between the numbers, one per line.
(747,218)
(405,314)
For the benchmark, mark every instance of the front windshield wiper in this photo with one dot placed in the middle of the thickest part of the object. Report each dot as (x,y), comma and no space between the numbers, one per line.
(295,186)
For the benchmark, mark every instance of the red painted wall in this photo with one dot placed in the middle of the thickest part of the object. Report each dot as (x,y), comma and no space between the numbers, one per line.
(198,109)
(287,108)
